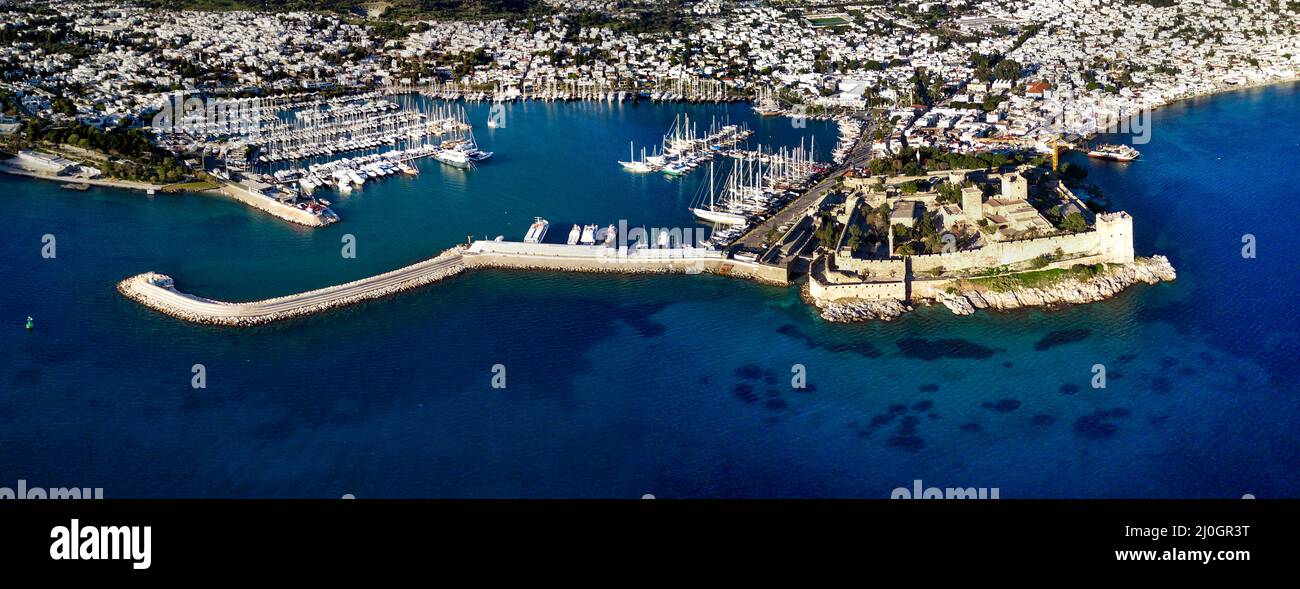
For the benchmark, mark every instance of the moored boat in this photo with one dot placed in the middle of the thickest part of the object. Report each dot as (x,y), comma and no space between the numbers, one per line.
(1122,153)
(537,231)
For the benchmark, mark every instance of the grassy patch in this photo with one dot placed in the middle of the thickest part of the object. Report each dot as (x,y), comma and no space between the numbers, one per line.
(1037,278)
(196,186)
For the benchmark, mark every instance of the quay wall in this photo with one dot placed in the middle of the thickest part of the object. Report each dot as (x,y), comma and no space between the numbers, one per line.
(276,208)
(595,258)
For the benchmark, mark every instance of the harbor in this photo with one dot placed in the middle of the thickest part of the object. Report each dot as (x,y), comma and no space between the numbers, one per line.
(363,348)
(336,144)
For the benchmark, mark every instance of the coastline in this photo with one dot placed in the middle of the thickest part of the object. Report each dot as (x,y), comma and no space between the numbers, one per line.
(276,209)
(968,296)
(101,182)
(1216,91)
(1228,89)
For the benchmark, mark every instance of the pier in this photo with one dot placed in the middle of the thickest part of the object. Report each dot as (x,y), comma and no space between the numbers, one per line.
(158,291)
(622,260)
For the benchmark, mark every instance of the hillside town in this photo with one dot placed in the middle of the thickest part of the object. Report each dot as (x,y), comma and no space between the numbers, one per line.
(964,76)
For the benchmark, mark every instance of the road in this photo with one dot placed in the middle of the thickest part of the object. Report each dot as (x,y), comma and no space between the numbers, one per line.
(857,157)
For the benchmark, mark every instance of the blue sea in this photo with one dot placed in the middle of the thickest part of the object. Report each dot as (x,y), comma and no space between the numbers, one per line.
(676,386)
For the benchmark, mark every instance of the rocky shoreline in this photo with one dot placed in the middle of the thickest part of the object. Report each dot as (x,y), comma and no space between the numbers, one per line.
(966,301)
(1066,292)
(856,310)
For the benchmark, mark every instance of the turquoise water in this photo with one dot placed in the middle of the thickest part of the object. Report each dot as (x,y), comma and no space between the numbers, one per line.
(619,386)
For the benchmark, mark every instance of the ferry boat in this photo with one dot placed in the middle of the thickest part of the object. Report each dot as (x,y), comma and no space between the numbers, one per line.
(1122,153)
(537,231)
(574,234)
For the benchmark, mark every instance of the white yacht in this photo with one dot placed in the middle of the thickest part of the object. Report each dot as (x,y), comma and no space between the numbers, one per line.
(537,231)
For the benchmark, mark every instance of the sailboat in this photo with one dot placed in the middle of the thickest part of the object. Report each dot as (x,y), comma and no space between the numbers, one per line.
(714,213)
(634,165)
(767,104)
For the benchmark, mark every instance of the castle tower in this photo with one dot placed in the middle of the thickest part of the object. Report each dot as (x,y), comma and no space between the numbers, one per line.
(972,203)
(1014,186)
(1115,235)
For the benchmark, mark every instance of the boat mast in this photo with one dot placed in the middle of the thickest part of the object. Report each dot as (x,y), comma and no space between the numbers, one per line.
(710,185)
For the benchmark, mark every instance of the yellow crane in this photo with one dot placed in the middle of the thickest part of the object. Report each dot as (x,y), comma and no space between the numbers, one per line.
(1056,153)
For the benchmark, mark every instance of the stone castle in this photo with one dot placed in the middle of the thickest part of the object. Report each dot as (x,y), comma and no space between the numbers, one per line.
(839,275)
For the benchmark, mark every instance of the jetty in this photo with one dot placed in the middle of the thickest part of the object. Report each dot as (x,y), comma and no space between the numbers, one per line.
(158,291)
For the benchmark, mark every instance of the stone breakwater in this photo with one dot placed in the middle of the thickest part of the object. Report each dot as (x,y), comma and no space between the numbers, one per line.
(711,267)
(1065,292)
(278,209)
(599,259)
(158,292)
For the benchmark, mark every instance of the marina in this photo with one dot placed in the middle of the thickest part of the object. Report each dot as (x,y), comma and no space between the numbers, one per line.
(759,182)
(357,125)
(683,148)
(294,160)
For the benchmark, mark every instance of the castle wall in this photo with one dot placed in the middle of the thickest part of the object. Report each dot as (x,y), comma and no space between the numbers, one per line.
(1110,242)
(1112,239)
